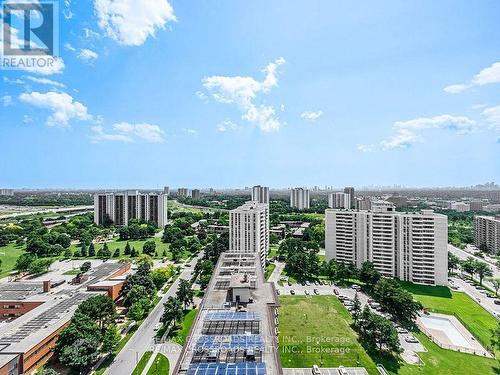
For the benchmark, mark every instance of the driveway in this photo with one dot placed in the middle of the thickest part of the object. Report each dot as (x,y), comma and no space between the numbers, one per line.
(143,338)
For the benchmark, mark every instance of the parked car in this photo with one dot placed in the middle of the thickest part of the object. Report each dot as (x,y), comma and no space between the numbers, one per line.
(411,339)
(315,370)
(356,287)
(292,292)
(278,292)
(308,283)
(401,330)
(157,326)
(336,291)
(342,371)
(316,291)
(306,292)
(289,283)
(497,301)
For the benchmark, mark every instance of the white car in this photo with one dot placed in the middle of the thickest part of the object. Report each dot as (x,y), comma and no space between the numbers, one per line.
(157,326)
(315,370)
(411,339)
(306,292)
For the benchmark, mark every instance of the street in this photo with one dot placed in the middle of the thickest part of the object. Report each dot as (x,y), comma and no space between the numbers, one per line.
(142,340)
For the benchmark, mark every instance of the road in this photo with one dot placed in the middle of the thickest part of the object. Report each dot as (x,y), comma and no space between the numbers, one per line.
(49,210)
(142,340)
(462,254)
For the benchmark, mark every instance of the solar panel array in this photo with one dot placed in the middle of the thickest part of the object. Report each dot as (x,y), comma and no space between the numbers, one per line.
(227,356)
(244,368)
(230,342)
(231,315)
(43,319)
(230,327)
(222,285)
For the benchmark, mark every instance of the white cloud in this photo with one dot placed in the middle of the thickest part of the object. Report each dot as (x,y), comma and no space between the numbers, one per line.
(227,125)
(125,132)
(486,76)
(201,95)
(69,47)
(243,91)
(90,34)
(131,22)
(64,108)
(27,119)
(409,132)
(45,81)
(7,100)
(87,55)
(365,148)
(492,115)
(191,131)
(311,116)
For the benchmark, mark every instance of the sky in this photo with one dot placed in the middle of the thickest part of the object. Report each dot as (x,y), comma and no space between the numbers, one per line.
(274,92)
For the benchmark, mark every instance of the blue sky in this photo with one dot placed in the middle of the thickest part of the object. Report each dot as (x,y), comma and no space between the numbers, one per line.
(281,93)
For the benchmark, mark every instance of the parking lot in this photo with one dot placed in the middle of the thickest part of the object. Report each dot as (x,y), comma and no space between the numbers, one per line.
(326,371)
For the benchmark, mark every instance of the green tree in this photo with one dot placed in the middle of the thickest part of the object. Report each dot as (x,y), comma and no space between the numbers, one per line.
(453,262)
(67,254)
(40,265)
(136,311)
(133,252)
(116,254)
(496,284)
(356,308)
(47,371)
(111,339)
(185,293)
(127,249)
(495,339)
(104,252)
(172,313)
(85,266)
(80,354)
(91,250)
(100,308)
(468,266)
(369,275)
(24,261)
(149,247)
(483,270)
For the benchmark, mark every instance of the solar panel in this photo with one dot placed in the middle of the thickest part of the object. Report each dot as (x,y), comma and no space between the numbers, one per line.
(244,368)
(232,342)
(232,315)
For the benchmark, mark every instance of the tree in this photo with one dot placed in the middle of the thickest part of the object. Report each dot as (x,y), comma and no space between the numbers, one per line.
(111,339)
(135,294)
(161,275)
(185,293)
(496,284)
(377,333)
(138,279)
(145,261)
(83,249)
(100,308)
(127,249)
(40,265)
(369,275)
(356,308)
(133,252)
(67,254)
(91,250)
(468,266)
(136,311)
(23,262)
(104,252)
(149,247)
(85,266)
(80,354)
(172,312)
(453,262)
(483,270)
(116,254)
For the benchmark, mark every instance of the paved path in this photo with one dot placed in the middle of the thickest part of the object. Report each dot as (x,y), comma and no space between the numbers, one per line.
(142,340)
(275,276)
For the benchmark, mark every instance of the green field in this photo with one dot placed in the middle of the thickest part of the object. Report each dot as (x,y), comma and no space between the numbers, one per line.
(180,334)
(305,321)
(138,244)
(160,365)
(269,270)
(440,299)
(8,255)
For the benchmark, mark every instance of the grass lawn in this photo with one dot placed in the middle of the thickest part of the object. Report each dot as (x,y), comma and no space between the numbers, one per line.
(305,320)
(160,365)
(273,251)
(440,299)
(138,244)
(445,362)
(142,363)
(180,334)
(9,255)
(269,270)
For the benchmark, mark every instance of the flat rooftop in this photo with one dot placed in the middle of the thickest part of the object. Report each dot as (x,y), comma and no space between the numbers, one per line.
(227,340)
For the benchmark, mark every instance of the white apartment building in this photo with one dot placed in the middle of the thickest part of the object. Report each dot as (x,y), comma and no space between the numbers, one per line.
(409,246)
(260,194)
(119,207)
(249,229)
(459,206)
(299,198)
(182,192)
(339,200)
(487,233)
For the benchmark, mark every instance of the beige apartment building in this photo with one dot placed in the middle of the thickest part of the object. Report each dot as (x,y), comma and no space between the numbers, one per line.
(260,194)
(408,246)
(249,229)
(299,198)
(487,233)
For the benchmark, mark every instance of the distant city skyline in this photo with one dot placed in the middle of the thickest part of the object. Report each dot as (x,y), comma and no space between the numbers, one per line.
(276,93)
